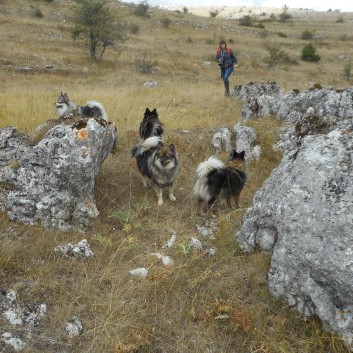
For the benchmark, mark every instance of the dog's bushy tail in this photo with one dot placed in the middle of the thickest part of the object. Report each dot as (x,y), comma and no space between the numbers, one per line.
(207,166)
(146,145)
(99,106)
(200,190)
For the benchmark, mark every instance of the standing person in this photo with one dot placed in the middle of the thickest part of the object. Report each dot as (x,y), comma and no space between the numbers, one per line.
(226,60)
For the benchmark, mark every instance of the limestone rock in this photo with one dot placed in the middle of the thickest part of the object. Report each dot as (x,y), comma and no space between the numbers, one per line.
(303,215)
(221,140)
(246,140)
(264,99)
(52,181)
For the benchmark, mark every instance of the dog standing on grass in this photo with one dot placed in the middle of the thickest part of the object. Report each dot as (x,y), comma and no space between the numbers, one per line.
(156,162)
(92,109)
(215,180)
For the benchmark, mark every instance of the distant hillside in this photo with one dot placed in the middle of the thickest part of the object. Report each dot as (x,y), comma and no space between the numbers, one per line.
(235,12)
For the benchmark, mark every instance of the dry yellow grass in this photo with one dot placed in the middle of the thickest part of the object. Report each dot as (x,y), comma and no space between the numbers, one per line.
(177,309)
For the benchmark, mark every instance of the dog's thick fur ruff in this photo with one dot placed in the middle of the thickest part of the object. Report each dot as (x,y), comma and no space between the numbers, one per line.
(215,180)
(92,109)
(158,164)
(150,125)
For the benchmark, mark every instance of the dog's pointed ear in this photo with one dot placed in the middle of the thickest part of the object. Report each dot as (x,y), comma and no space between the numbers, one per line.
(66,96)
(160,144)
(172,147)
(154,111)
(147,111)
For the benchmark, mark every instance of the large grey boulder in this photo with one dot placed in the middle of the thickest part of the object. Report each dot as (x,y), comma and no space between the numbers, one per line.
(52,181)
(303,216)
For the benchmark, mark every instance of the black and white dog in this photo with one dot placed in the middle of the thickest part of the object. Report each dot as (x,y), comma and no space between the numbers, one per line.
(150,125)
(92,109)
(215,180)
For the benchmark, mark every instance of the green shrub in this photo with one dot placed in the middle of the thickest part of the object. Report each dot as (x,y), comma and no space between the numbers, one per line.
(37,13)
(263,33)
(272,17)
(276,56)
(134,29)
(284,16)
(185,10)
(347,70)
(146,66)
(143,9)
(306,34)
(259,25)
(309,53)
(281,35)
(246,20)
(166,22)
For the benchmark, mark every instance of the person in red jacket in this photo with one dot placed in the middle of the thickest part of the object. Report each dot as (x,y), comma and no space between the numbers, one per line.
(226,60)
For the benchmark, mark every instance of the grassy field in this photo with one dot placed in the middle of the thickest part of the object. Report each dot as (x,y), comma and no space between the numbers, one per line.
(202,303)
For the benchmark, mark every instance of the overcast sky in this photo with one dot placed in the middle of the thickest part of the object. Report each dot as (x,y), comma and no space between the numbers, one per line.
(318,5)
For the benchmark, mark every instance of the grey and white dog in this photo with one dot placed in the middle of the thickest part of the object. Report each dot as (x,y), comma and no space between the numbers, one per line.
(157,163)
(92,109)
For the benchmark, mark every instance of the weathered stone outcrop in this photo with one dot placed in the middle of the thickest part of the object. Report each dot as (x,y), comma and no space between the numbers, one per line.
(263,99)
(52,181)
(303,215)
(245,140)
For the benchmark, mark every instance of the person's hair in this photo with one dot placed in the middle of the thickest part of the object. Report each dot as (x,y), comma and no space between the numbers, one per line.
(222,42)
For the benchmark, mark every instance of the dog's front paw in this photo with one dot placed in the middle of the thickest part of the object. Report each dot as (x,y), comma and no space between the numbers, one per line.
(160,202)
(172,197)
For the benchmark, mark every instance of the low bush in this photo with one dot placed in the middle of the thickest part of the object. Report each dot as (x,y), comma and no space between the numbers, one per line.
(347,70)
(246,20)
(166,22)
(306,34)
(276,56)
(214,14)
(142,9)
(309,53)
(281,35)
